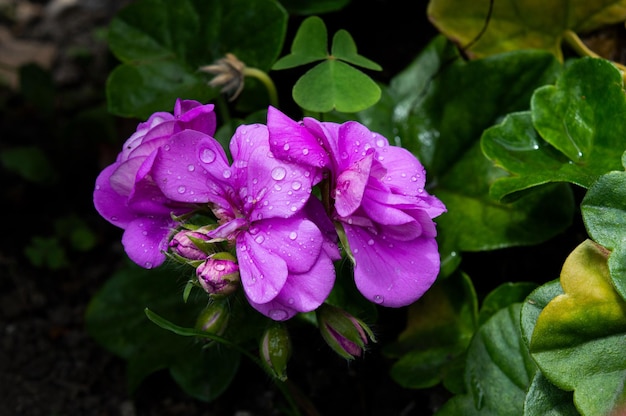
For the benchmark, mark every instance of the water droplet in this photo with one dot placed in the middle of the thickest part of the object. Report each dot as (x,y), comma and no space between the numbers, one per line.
(295,185)
(355,251)
(181,189)
(413,178)
(279,173)
(380,142)
(286,146)
(148,265)
(278,314)
(144,232)
(293,235)
(191,168)
(259,239)
(220,267)
(344,155)
(305,151)
(227,174)
(370,242)
(290,301)
(293,208)
(207,156)
(114,218)
(378,299)
(166,147)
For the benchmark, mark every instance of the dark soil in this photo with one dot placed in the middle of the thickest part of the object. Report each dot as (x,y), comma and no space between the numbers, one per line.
(49,365)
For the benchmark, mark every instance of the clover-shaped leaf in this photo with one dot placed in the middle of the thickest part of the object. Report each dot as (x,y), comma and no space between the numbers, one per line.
(574,132)
(579,337)
(604,214)
(499,369)
(333,84)
(497,26)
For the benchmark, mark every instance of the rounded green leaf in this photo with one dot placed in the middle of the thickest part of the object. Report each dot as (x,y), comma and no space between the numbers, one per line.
(499,369)
(498,26)
(503,296)
(344,48)
(334,85)
(579,338)
(604,213)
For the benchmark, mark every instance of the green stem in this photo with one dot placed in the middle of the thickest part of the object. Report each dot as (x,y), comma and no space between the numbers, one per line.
(266,80)
(284,388)
(572,39)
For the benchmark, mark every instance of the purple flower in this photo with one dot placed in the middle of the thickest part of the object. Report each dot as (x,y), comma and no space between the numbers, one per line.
(263,207)
(125,194)
(219,274)
(378,197)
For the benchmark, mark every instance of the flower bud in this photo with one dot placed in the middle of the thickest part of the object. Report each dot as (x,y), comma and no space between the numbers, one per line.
(219,274)
(275,350)
(190,245)
(213,319)
(344,333)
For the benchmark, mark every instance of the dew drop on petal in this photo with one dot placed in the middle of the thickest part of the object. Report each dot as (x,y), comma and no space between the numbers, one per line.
(370,242)
(220,267)
(259,239)
(226,174)
(286,146)
(207,156)
(293,235)
(191,168)
(181,189)
(295,185)
(305,151)
(148,265)
(278,314)
(279,173)
(380,142)
(378,299)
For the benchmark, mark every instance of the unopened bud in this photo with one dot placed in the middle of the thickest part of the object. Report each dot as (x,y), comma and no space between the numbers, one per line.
(190,245)
(345,334)
(219,274)
(275,350)
(213,319)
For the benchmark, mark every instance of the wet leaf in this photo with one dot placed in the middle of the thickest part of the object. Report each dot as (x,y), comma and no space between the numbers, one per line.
(574,132)
(491,27)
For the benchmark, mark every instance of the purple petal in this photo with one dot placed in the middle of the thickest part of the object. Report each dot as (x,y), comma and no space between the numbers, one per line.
(194,115)
(191,168)
(305,292)
(145,240)
(274,309)
(263,273)
(293,142)
(390,272)
(350,186)
(314,210)
(297,241)
(110,204)
(354,142)
(405,174)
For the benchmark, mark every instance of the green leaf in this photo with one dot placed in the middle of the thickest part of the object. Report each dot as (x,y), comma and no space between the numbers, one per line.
(519,24)
(579,337)
(115,318)
(334,85)
(575,132)
(503,296)
(604,213)
(499,369)
(439,328)
(309,45)
(443,106)
(345,49)
(545,399)
(173,39)
(309,7)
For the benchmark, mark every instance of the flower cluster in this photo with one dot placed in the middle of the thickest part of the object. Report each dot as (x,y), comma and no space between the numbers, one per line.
(269,233)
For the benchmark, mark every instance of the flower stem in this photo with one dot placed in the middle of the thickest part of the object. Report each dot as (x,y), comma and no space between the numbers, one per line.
(266,80)
(572,39)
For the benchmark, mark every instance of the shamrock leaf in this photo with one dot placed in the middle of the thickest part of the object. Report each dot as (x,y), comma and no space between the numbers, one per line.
(332,84)
(579,337)
(574,132)
(491,27)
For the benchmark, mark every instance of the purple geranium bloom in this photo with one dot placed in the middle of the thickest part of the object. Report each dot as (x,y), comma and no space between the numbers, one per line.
(379,199)
(262,205)
(125,194)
